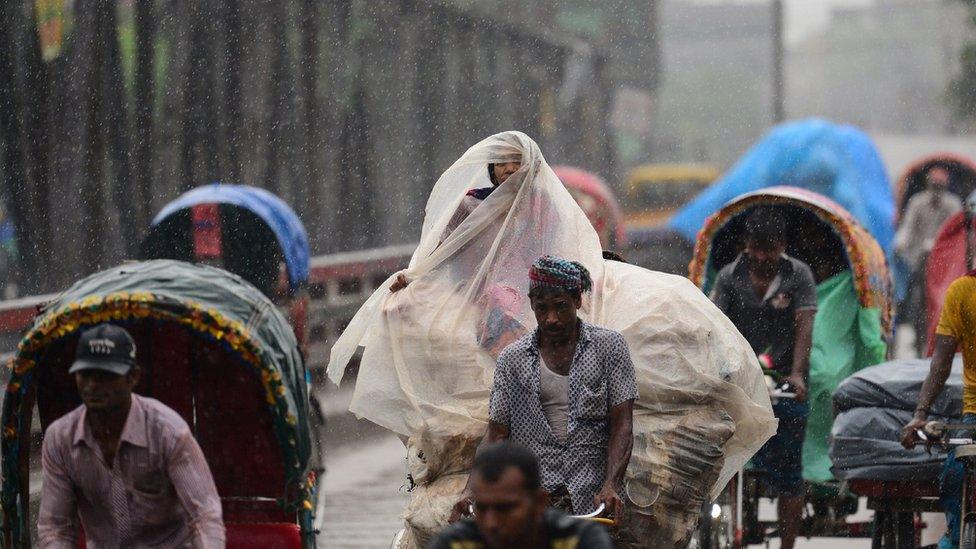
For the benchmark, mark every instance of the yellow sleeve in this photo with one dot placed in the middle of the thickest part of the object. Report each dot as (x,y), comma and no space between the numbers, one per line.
(950,321)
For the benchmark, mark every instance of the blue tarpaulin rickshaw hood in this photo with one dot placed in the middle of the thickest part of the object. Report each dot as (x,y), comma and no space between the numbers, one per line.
(279,217)
(840,162)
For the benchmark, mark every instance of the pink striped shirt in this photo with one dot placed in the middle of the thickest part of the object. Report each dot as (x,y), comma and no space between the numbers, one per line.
(158,491)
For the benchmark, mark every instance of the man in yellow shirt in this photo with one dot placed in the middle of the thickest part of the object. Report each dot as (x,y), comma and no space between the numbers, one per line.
(956,330)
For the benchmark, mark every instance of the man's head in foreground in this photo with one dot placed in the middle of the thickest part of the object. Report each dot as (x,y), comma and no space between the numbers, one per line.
(509,501)
(765,240)
(105,367)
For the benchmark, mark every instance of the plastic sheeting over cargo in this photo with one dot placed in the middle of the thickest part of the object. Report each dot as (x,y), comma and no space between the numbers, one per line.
(839,162)
(873,405)
(428,361)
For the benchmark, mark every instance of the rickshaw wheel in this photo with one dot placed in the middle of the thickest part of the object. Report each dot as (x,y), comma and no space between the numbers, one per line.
(717,532)
(968,538)
(753,531)
(893,530)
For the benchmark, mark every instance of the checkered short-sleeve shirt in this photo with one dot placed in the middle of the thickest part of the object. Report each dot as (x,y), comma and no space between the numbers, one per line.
(601,377)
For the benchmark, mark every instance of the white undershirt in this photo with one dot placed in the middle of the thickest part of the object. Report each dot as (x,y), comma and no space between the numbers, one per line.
(554,394)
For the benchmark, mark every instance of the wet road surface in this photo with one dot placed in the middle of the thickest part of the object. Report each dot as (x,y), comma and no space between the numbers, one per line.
(363,494)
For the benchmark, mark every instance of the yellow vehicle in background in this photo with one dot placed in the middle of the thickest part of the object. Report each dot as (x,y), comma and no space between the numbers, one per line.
(655,191)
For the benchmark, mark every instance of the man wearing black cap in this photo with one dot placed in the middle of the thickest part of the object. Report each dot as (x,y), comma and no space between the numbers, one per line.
(126,466)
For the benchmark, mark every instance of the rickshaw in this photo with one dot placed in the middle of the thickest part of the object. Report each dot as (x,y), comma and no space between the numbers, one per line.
(871,408)
(655,191)
(598,203)
(245,230)
(950,258)
(950,261)
(962,176)
(851,331)
(659,249)
(213,348)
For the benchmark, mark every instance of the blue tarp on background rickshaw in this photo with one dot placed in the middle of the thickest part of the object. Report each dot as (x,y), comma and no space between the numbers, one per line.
(839,162)
(276,214)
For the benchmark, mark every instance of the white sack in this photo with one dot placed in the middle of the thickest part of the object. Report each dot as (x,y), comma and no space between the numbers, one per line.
(428,361)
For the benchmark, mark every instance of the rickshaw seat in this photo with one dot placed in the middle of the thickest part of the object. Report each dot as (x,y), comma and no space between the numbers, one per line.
(886,489)
(263,535)
(254,511)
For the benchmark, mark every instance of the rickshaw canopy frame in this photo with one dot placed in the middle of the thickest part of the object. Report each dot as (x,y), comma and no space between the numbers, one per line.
(872,279)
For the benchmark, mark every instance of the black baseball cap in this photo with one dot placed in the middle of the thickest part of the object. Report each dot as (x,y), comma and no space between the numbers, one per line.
(105,347)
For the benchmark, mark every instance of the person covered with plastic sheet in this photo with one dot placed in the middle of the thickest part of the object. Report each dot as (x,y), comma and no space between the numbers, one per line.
(511,508)
(956,330)
(466,297)
(567,392)
(500,327)
(497,174)
(771,298)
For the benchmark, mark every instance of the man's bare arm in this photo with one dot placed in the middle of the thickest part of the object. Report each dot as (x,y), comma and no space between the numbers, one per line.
(619,448)
(496,432)
(621,442)
(945,348)
(802,343)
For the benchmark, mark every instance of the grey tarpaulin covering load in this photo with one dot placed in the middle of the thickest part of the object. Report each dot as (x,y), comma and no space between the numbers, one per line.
(872,406)
(428,358)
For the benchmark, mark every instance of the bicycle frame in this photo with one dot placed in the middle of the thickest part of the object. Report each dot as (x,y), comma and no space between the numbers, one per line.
(934,434)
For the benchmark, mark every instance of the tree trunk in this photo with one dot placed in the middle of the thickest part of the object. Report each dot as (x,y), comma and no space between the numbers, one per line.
(114,124)
(14,174)
(233,117)
(199,155)
(145,94)
(209,132)
(38,78)
(89,141)
(277,91)
(310,204)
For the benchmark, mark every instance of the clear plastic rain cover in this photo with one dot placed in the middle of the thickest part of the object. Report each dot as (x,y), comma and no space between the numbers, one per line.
(429,349)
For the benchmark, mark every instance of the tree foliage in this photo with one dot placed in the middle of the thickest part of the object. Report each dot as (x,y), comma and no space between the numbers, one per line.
(962,88)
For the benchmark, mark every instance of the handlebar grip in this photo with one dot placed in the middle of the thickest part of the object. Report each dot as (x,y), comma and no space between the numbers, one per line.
(935,429)
(594,514)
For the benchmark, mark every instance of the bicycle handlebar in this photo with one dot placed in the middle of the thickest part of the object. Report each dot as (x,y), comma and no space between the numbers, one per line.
(594,516)
(934,431)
